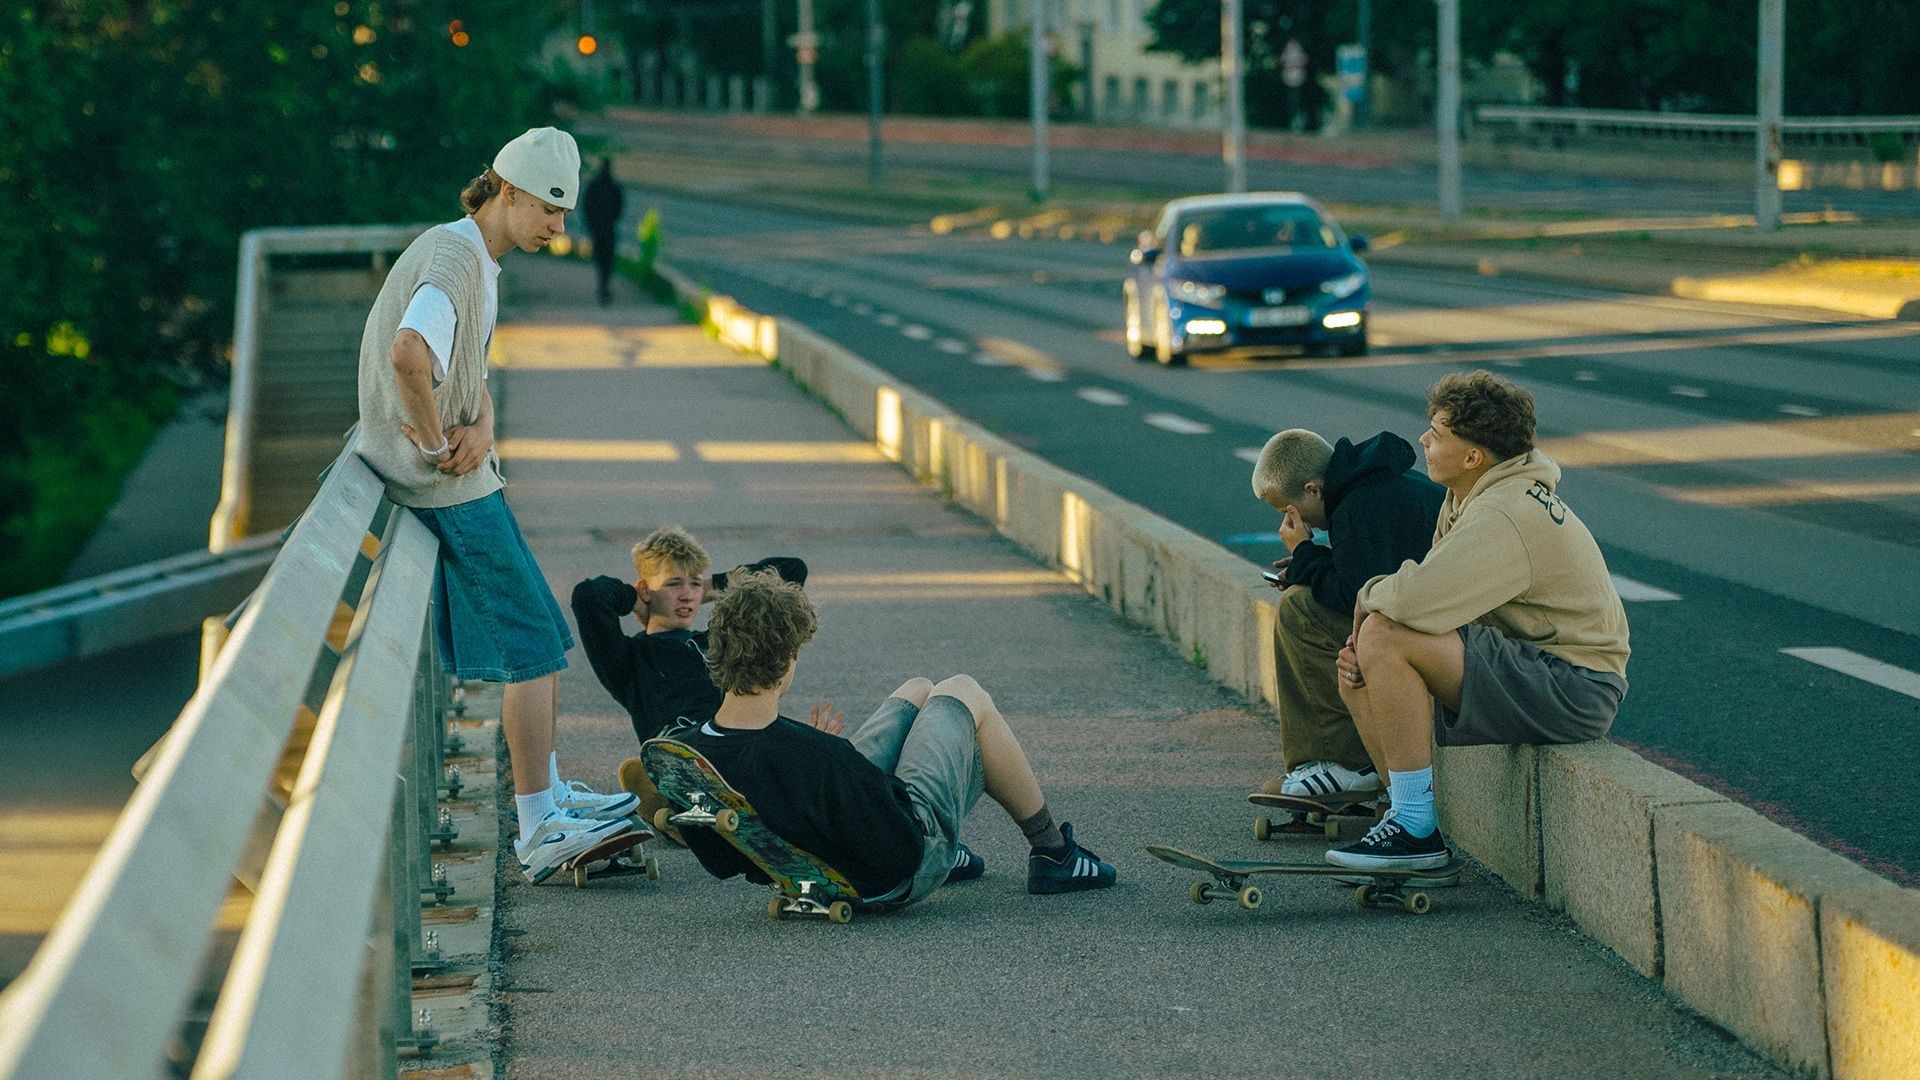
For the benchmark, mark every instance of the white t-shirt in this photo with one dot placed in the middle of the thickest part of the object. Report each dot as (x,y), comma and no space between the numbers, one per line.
(430,313)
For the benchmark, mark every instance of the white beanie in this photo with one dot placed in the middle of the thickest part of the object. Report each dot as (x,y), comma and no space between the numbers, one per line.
(543,162)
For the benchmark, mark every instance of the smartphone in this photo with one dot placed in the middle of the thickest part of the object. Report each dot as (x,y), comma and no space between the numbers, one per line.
(1273,576)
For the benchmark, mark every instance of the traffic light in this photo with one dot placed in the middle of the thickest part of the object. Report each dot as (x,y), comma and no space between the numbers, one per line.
(588,44)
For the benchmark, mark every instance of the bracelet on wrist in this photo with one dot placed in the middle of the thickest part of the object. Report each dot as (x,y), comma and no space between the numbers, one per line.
(434,455)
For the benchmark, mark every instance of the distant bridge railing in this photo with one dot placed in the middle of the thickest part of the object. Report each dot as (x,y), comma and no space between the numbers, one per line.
(1734,130)
(326,707)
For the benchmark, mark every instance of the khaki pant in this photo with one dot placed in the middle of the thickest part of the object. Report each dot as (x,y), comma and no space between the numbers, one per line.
(1314,722)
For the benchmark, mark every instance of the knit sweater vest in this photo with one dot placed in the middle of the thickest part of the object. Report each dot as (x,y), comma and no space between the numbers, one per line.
(443,258)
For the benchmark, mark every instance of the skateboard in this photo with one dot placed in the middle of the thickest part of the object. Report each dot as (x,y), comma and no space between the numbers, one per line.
(1371,887)
(1337,817)
(622,854)
(803,885)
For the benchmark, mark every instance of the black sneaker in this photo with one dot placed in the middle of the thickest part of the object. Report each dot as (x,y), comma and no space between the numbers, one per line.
(967,864)
(1075,870)
(1388,846)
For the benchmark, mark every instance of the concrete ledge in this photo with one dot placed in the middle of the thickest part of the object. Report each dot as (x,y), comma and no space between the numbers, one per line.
(1810,958)
(1597,803)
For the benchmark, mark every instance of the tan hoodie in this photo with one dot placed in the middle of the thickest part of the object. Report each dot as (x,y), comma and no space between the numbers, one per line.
(1511,556)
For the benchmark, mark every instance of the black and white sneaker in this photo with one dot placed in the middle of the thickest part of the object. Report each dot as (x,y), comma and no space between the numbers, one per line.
(1388,846)
(1075,869)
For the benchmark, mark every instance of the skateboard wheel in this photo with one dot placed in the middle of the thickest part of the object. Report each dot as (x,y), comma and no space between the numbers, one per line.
(840,911)
(1316,817)
(777,906)
(653,868)
(660,817)
(1200,894)
(1262,828)
(1363,895)
(1417,903)
(1250,898)
(726,820)
(580,877)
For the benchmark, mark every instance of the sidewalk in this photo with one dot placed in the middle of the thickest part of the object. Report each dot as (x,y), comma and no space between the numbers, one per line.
(612,422)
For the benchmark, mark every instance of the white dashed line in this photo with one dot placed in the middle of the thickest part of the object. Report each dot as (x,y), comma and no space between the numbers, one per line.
(1866,668)
(861,309)
(1799,410)
(1179,425)
(837,300)
(949,345)
(1632,591)
(1100,396)
(1686,391)
(887,318)
(987,359)
(1248,454)
(1585,376)
(817,291)
(1046,375)
(917,332)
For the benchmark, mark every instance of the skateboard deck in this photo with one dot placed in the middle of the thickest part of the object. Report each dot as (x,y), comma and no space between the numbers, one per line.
(1371,887)
(613,857)
(697,794)
(1336,817)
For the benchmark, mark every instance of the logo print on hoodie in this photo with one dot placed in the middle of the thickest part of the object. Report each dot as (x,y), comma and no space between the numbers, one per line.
(1556,509)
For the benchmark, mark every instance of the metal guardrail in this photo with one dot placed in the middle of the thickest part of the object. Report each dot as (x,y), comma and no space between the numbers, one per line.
(100,614)
(1720,126)
(336,637)
(231,518)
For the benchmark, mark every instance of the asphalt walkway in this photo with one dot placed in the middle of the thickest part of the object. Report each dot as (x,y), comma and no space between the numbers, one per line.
(613,421)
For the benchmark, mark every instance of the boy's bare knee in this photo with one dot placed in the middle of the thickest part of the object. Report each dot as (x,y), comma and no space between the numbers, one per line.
(969,692)
(915,691)
(1379,634)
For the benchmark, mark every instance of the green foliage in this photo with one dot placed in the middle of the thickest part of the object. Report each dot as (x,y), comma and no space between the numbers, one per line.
(139,140)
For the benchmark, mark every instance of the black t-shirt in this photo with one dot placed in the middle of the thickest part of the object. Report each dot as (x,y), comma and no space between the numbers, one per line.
(817,793)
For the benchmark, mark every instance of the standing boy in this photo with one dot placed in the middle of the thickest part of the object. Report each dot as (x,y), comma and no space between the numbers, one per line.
(1378,513)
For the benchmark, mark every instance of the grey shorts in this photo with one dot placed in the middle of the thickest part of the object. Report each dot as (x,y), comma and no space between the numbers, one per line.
(1514,692)
(935,751)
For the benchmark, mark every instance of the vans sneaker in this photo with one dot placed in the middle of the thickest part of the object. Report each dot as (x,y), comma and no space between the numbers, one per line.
(579,800)
(1075,870)
(1388,846)
(1316,779)
(560,837)
(967,864)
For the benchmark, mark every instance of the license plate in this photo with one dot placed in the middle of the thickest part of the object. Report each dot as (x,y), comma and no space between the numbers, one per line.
(1278,316)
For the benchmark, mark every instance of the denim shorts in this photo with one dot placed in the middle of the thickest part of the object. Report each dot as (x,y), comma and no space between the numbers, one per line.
(935,751)
(498,621)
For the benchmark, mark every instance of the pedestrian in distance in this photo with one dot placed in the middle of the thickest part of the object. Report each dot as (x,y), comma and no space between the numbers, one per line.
(603,202)
(1377,513)
(1509,631)
(883,805)
(426,427)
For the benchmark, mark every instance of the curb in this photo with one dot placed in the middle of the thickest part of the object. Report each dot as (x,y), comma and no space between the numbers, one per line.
(1809,958)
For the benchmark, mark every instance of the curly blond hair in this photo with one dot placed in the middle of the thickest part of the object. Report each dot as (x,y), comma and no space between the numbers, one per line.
(667,549)
(755,631)
(1486,410)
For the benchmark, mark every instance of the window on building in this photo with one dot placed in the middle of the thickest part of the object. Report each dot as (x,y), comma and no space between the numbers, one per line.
(1202,100)
(1112,108)
(1170,100)
(1141,100)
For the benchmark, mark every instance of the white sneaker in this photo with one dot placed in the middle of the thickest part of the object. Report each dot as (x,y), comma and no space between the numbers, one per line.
(558,838)
(1317,779)
(579,800)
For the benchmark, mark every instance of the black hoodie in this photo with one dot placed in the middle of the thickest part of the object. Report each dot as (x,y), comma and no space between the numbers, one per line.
(1379,515)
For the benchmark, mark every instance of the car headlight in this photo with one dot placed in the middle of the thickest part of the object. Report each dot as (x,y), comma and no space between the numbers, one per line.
(1342,287)
(1196,292)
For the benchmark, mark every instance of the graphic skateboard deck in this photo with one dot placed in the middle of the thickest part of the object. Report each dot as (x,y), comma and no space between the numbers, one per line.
(1371,887)
(1337,817)
(620,855)
(697,794)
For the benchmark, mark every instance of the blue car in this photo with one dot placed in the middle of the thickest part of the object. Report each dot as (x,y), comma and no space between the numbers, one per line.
(1255,271)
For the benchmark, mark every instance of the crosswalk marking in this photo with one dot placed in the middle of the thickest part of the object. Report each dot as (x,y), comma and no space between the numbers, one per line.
(1101,396)
(1179,425)
(1866,668)
(1632,591)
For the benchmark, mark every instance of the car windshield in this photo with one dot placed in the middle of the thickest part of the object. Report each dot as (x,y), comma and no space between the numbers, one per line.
(1232,228)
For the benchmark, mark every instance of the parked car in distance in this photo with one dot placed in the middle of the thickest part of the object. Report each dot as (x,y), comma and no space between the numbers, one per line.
(1263,270)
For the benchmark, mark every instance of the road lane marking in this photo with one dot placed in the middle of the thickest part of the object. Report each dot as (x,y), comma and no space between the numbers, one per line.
(1268,537)
(1046,374)
(1865,668)
(1686,391)
(987,359)
(861,309)
(1799,410)
(949,345)
(1179,425)
(887,318)
(1585,376)
(1249,454)
(917,332)
(1101,396)
(1639,591)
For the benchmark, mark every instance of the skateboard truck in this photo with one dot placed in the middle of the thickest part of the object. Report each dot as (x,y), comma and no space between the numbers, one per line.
(807,903)
(699,813)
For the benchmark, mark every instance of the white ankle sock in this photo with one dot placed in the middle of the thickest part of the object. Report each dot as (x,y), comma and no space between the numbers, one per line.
(1412,794)
(533,809)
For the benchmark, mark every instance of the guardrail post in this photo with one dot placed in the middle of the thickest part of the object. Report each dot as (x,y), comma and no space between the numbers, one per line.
(402,925)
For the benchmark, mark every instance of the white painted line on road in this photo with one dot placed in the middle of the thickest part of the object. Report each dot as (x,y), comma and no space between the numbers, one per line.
(1585,376)
(817,291)
(917,332)
(1101,396)
(1687,391)
(1799,410)
(1866,668)
(949,345)
(1632,591)
(1046,374)
(987,359)
(1179,425)
(837,300)
(861,309)
(887,318)
(1249,454)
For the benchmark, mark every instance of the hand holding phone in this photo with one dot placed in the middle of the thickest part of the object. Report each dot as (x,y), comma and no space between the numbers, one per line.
(1277,577)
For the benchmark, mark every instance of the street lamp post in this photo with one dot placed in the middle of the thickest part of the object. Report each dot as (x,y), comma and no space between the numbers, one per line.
(1037,72)
(1234,140)
(1766,133)
(806,46)
(876,52)
(1447,111)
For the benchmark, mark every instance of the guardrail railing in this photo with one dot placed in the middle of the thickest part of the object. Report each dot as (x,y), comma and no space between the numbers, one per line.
(1709,127)
(329,676)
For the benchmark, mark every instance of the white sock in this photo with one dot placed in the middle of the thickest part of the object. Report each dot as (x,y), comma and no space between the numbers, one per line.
(1412,794)
(553,774)
(533,810)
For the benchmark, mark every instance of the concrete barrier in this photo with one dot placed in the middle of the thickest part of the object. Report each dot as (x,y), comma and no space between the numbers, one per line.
(1808,957)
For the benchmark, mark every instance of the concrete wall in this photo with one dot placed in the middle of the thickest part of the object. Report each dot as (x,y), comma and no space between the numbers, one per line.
(1808,957)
